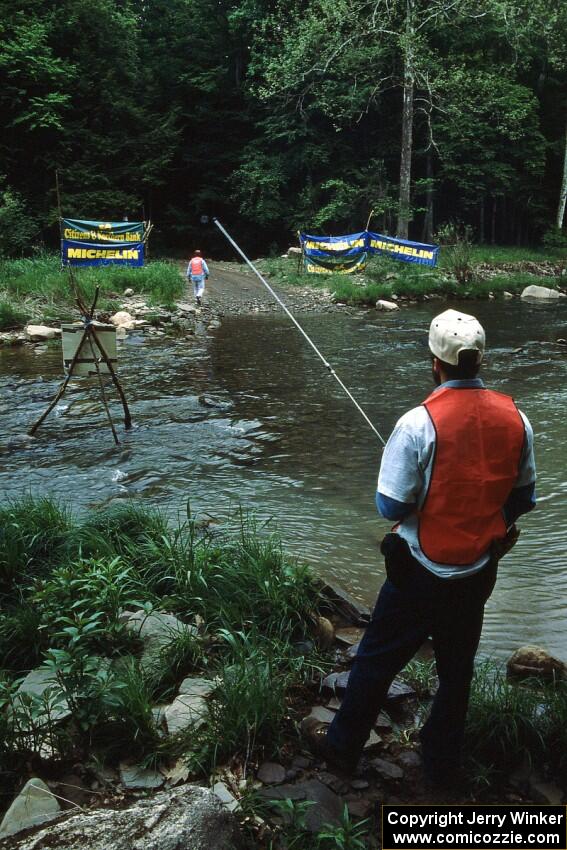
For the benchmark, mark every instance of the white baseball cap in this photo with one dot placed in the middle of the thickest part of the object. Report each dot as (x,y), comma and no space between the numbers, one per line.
(452,332)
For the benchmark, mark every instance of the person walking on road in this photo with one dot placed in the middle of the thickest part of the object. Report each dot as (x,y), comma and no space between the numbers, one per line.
(456,473)
(198,272)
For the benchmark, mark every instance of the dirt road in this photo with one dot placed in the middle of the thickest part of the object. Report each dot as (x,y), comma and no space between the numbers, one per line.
(232,288)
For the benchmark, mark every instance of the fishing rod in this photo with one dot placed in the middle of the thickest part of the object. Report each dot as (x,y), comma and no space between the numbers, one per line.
(299,328)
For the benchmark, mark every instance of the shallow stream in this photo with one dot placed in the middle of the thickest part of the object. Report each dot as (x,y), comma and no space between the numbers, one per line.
(281,438)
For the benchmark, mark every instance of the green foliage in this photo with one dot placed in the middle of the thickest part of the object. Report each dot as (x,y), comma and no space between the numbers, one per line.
(506,722)
(555,239)
(66,585)
(421,675)
(32,536)
(93,591)
(18,230)
(11,316)
(129,724)
(344,836)
(458,259)
(40,288)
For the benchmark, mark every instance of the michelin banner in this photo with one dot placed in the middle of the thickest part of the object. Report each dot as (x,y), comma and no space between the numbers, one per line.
(400,249)
(101,243)
(348,254)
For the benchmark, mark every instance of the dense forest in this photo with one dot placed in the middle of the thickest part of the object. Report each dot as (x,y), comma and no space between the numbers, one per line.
(280,115)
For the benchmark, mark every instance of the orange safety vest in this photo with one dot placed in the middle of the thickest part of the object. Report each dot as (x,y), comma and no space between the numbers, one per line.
(196,265)
(479,442)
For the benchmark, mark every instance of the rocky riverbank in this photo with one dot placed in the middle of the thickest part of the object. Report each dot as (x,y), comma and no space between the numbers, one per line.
(172,668)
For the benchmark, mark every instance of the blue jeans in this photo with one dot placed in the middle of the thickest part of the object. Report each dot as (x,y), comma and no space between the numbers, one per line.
(198,281)
(414,604)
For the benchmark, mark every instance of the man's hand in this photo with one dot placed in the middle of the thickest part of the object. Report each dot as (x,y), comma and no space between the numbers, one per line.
(502,545)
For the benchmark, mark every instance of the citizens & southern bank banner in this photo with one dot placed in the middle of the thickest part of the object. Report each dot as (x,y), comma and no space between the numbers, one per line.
(100,243)
(348,254)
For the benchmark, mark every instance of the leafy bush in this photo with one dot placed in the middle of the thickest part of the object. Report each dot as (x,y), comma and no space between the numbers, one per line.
(555,238)
(17,228)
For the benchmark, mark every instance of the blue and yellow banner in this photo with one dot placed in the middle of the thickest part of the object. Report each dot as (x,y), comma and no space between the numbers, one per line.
(348,254)
(102,243)
(402,249)
(334,254)
(75,253)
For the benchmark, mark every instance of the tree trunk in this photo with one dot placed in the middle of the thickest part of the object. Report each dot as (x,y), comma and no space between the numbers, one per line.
(407,126)
(481,222)
(563,192)
(427,235)
(493,228)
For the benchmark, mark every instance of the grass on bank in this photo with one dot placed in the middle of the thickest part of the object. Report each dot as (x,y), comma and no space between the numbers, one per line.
(39,289)
(64,583)
(457,276)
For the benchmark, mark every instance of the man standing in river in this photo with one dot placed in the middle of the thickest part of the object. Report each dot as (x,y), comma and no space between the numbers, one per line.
(456,473)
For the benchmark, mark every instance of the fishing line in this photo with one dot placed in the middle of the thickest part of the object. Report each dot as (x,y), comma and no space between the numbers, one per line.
(299,328)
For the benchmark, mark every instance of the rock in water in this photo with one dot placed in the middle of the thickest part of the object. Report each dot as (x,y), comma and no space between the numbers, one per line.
(387,306)
(535,662)
(123,319)
(188,817)
(539,293)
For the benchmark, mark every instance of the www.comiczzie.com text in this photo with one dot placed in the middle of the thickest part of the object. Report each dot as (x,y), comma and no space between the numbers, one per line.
(480,827)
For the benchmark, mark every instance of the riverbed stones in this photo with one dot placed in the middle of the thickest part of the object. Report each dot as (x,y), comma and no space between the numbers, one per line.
(387,769)
(34,805)
(185,712)
(128,292)
(156,631)
(189,817)
(134,776)
(346,605)
(196,686)
(535,662)
(387,306)
(40,689)
(327,807)
(271,773)
(321,714)
(539,293)
(40,333)
(182,307)
(349,636)
(225,797)
(397,692)
(123,319)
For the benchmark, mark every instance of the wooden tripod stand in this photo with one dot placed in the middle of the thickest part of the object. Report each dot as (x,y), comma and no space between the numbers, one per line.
(92,339)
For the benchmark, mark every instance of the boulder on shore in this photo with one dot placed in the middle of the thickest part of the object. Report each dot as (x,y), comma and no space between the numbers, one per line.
(539,293)
(39,333)
(535,662)
(34,805)
(188,817)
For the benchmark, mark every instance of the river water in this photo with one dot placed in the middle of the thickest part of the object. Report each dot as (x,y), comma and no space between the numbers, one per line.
(283,440)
